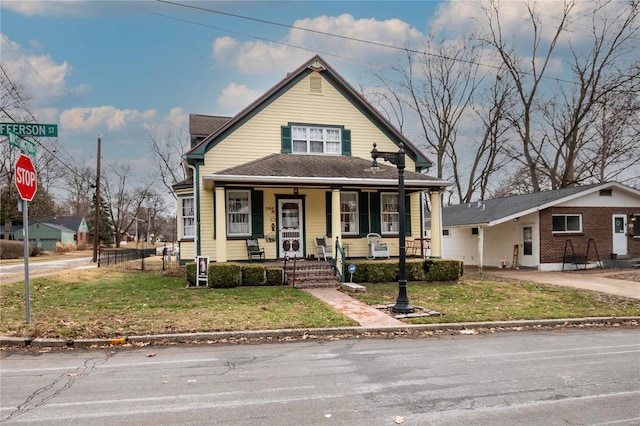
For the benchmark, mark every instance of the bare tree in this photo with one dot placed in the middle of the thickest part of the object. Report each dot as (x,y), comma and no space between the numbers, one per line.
(527,79)
(80,192)
(168,149)
(123,203)
(555,117)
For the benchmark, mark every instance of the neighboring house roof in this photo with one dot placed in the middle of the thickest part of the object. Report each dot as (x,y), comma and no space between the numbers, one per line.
(498,210)
(316,63)
(60,228)
(185,184)
(204,125)
(70,222)
(321,170)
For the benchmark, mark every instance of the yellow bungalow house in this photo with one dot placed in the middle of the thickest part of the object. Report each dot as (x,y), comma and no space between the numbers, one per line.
(295,165)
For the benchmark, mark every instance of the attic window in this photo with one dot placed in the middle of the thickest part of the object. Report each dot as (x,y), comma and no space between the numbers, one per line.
(605,192)
(315,84)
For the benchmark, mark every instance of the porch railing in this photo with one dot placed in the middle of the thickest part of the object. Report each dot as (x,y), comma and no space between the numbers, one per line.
(339,260)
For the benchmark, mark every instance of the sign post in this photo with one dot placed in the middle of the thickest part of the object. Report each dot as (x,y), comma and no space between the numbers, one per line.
(27,185)
(26,180)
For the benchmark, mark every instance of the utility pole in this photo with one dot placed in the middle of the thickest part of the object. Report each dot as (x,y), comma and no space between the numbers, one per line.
(96,227)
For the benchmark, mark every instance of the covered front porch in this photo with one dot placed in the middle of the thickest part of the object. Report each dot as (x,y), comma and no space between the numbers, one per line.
(285,201)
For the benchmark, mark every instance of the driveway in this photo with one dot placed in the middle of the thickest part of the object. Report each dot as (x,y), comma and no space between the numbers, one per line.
(594,280)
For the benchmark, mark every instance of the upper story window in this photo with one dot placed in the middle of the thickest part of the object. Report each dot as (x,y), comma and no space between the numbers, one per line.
(187,218)
(316,140)
(567,223)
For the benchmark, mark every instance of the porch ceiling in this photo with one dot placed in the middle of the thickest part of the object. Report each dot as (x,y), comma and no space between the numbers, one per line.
(320,170)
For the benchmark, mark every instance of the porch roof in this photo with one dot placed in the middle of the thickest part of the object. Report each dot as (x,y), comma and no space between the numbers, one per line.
(320,170)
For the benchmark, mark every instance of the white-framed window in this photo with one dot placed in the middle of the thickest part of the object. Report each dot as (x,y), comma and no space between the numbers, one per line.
(566,223)
(187,218)
(349,213)
(390,215)
(316,140)
(238,213)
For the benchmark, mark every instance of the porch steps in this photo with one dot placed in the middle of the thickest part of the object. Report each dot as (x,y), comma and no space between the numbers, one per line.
(312,274)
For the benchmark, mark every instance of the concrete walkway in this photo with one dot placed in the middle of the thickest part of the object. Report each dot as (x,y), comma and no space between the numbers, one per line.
(594,281)
(366,315)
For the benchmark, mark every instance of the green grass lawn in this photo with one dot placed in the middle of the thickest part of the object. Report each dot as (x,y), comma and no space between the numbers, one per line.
(105,303)
(481,300)
(110,303)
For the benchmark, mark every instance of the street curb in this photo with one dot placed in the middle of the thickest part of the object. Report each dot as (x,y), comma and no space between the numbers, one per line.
(259,336)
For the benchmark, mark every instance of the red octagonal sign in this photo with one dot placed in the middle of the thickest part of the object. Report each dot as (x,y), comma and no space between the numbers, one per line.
(26,178)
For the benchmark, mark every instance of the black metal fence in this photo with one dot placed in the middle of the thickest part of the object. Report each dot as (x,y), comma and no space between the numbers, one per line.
(137,259)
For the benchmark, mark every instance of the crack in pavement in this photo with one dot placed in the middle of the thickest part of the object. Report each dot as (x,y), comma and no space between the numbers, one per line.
(40,397)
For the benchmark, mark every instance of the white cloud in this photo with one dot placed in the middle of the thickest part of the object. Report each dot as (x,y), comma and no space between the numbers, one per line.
(234,97)
(43,79)
(97,118)
(300,45)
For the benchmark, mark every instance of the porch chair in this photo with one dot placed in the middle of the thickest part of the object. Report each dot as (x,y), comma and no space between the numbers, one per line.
(253,249)
(377,247)
(322,248)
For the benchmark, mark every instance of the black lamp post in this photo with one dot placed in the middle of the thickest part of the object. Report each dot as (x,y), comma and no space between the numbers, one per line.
(402,301)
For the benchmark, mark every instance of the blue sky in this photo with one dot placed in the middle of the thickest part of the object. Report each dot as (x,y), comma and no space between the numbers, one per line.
(116,68)
(119,68)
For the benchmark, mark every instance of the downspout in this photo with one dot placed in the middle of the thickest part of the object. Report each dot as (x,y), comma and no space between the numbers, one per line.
(196,217)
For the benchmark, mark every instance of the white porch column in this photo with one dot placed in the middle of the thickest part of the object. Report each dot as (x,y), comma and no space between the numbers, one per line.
(480,247)
(221,226)
(436,224)
(335,216)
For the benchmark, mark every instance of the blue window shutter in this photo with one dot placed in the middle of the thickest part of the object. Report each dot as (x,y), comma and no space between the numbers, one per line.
(285,133)
(363,208)
(407,215)
(346,142)
(376,218)
(257,214)
(328,212)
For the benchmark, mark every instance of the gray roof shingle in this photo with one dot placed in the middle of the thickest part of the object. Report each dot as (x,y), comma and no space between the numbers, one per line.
(329,166)
(488,211)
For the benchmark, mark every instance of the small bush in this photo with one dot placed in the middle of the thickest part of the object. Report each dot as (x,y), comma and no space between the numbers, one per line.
(253,275)
(65,247)
(275,276)
(10,249)
(224,275)
(382,272)
(35,251)
(442,270)
(414,270)
(190,273)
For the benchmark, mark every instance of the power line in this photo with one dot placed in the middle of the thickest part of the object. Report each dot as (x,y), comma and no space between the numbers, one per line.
(343,37)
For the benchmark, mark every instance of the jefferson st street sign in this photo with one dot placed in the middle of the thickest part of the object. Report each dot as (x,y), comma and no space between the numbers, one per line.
(30,129)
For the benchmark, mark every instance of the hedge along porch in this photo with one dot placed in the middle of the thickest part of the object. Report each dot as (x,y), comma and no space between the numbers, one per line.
(295,165)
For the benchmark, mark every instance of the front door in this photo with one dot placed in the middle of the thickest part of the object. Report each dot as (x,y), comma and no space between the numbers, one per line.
(527,252)
(290,226)
(619,237)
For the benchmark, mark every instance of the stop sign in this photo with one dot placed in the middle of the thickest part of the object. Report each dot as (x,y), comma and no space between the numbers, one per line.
(26,178)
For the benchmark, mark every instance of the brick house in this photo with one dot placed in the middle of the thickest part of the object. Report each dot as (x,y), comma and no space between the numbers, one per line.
(538,230)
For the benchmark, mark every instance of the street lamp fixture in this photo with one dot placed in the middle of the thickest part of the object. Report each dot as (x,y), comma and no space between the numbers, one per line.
(398,159)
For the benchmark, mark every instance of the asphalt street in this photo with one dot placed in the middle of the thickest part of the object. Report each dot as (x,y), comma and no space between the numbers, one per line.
(15,271)
(565,376)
